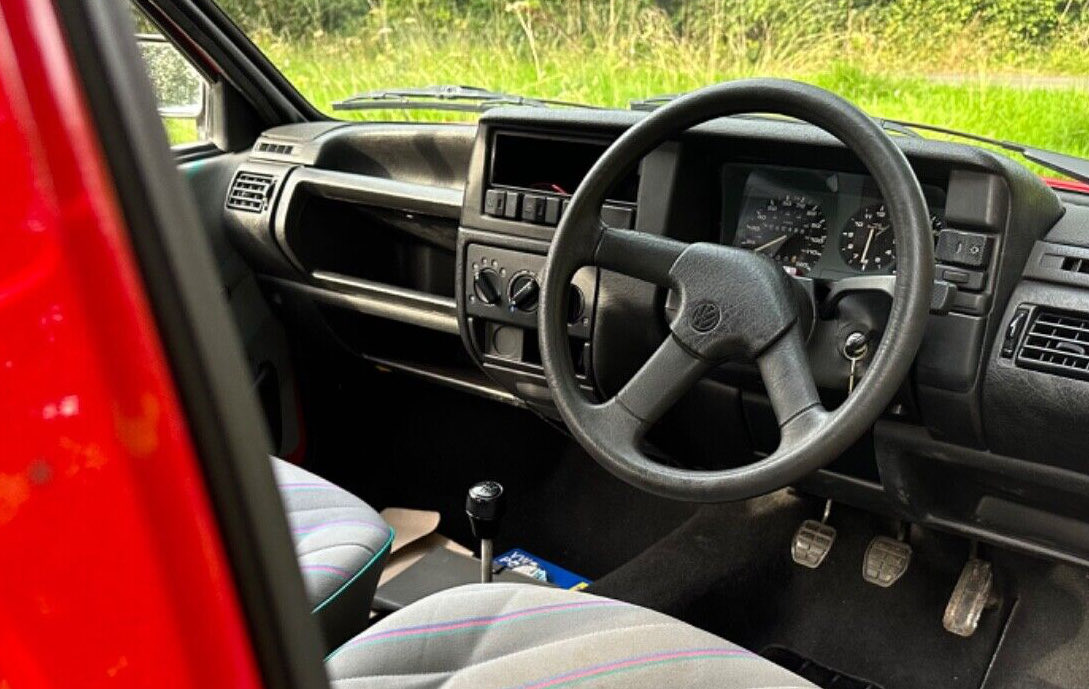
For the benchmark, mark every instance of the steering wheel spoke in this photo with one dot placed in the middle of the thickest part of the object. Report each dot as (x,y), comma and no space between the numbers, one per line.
(784,367)
(648,257)
(661,381)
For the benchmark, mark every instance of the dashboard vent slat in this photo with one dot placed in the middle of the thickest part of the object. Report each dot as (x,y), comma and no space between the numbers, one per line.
(1058,343)
(279,149)
(250,192)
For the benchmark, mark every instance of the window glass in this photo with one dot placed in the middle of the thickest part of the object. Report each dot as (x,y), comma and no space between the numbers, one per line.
(179,88)
(1010,69)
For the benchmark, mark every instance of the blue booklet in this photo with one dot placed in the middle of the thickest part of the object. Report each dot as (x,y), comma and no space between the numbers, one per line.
(540,569)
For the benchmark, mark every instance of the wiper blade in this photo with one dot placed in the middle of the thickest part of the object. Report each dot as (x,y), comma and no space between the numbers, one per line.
(652,103)
(445,97)
(1075,167)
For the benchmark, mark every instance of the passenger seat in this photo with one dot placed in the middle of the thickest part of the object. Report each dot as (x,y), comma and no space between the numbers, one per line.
(342,545)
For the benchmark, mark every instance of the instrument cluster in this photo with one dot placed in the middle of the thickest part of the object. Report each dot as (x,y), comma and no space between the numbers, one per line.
(816,223)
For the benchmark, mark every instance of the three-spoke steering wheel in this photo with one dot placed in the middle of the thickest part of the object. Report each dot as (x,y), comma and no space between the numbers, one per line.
(733,303)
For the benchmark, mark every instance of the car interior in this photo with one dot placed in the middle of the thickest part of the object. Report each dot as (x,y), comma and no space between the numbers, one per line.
(744,366)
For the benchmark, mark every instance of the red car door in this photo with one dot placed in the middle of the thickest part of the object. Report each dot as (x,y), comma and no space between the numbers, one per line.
(114,570)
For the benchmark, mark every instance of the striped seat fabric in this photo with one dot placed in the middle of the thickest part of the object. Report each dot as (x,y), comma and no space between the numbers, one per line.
(342,545)
(529,637)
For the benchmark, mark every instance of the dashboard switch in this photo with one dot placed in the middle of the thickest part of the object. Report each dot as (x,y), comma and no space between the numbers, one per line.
(552,211)
(495,202)
(963,279)
(513,205)
(533,208)
(963,248)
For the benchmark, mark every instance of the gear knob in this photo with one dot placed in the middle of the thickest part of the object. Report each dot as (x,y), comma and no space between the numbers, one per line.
(485,507)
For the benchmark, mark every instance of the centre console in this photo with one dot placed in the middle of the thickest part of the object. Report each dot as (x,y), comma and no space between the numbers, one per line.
(520,188)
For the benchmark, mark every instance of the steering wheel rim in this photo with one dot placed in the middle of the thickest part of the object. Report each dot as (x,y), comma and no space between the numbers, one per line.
(810,435)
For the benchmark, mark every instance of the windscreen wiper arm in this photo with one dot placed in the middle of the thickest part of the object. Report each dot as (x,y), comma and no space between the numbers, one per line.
(445,97)
(654,102)
(1075,167)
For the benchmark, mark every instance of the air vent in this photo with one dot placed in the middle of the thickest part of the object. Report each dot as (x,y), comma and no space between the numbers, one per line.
(1058,343)
(1072,264)
(250,192)
(279,149)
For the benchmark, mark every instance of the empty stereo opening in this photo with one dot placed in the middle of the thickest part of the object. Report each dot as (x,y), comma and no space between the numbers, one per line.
(551,164)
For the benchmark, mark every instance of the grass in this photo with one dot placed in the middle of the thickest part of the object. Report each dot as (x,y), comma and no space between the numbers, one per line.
(607,53)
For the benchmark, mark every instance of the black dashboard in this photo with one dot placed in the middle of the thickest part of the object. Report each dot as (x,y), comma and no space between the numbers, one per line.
(419,248)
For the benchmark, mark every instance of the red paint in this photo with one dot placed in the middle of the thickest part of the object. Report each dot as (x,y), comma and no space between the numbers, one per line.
(1067,185)
(112,571)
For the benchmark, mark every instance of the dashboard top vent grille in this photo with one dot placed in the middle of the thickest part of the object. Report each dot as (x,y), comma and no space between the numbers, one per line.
(279,149)
(250,192)
(1057,342)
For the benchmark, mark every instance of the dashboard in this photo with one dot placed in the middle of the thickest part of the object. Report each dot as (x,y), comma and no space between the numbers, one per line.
(814,223)
(420,247)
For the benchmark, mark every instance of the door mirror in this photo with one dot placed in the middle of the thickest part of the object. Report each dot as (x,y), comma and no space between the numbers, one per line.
(179,89)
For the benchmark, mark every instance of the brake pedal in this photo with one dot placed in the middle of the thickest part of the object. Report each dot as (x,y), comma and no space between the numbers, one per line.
(970,597)
(813,540)
(886,561)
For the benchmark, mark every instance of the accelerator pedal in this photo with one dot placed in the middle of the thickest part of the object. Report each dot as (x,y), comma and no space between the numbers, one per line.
(813,540)
(970,596)
(886,560)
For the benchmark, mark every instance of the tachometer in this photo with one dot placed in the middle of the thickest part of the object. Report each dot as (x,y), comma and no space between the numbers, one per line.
(791,229)
(867,242)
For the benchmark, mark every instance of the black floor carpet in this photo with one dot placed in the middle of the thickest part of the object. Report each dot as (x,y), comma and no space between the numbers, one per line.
(739,582)
(425,445)
(1046,643)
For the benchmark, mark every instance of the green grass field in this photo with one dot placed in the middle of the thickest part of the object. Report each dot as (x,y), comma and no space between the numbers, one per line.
(974,71)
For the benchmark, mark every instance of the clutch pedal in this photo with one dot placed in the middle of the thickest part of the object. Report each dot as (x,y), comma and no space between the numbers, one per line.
(886,560)
(970,597)
(813,540)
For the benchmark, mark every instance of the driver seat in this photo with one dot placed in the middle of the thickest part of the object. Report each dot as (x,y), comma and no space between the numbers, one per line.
(531,637)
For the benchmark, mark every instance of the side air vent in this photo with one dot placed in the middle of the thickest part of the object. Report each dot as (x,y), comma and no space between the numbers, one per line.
(250,192)
(279,149)
(1075,265)
(1058,343)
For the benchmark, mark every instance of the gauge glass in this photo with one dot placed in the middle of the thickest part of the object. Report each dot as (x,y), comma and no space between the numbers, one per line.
(867,242)
(791,229)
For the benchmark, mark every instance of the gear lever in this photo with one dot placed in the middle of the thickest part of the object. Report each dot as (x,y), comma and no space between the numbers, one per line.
(485,507)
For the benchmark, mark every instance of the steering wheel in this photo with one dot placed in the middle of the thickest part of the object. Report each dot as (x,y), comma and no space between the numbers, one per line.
(733,303)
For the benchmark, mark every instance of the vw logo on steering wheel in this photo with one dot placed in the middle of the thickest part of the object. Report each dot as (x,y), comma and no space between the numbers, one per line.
(705,316)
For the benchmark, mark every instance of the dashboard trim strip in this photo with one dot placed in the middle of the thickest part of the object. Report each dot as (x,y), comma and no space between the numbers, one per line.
(379,299)
(492,393)
(368,190)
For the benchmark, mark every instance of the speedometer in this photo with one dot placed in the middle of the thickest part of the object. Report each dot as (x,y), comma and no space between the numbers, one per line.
(791,229)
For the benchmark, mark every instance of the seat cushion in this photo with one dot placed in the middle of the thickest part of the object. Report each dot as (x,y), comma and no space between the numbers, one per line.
(342,545)
(518,635)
